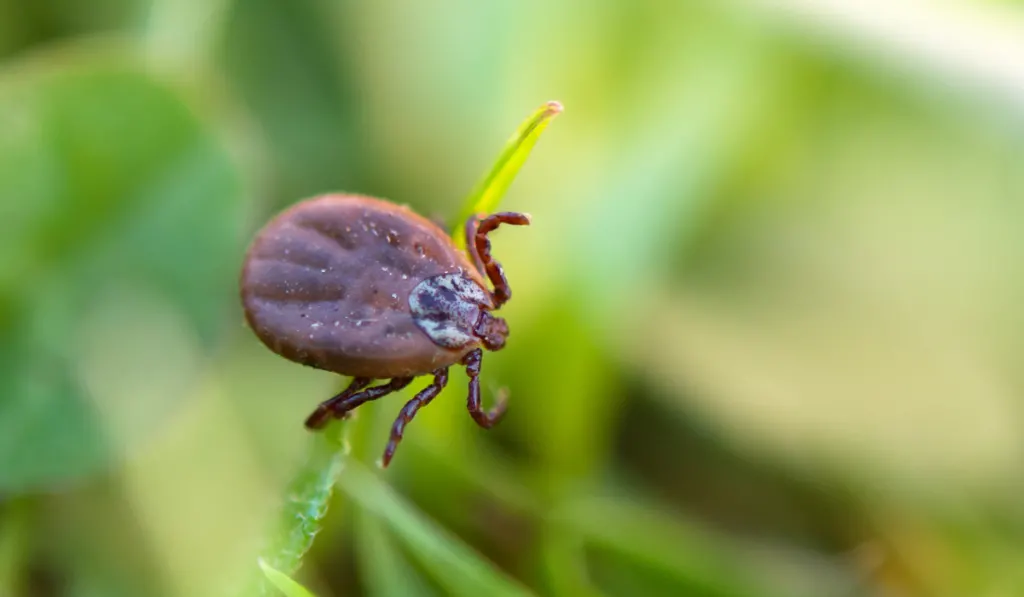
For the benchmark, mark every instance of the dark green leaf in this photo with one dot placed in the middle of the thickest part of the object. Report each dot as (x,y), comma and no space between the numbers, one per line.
(120,218)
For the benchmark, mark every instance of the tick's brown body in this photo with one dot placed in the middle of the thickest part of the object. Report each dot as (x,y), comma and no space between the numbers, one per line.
(327,284)
(370,289)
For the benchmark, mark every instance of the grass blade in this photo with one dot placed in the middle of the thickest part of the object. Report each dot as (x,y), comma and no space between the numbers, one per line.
(457,567)
(308,497)
(284,582)
(385,569)
(694,561)
(488,193)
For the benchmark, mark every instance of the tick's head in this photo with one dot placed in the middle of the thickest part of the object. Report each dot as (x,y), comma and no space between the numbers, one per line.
(491,330)
(453,310)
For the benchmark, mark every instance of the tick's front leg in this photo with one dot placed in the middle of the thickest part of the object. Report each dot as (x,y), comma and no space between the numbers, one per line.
(485,419)
(480,249)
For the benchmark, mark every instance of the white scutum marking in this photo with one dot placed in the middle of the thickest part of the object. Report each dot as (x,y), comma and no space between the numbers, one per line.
(447,322)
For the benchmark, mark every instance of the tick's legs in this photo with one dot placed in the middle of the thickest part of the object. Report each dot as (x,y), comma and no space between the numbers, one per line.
(343,403)
(485,419)
(323,412)
(471,225)
(480,249)
(409,411)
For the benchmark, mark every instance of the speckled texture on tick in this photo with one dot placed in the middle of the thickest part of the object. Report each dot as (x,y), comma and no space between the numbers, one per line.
(447,308)
(327,282)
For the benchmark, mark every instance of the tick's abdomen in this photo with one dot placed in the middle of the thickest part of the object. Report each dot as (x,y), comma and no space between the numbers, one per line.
(327,282)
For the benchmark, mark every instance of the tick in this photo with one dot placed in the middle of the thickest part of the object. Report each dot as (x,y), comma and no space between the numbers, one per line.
(371,290)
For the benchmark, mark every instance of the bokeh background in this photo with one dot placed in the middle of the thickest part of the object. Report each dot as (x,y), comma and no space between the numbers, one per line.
(767,329)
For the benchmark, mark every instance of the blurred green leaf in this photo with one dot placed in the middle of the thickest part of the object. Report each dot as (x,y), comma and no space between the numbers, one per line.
(111,188)
(672,554)
(667,168)
(27,24)
(283,582)
(281,60)
(565,566)
(15,537)
(570,439)
(489,191)
(385,567)
(456,566)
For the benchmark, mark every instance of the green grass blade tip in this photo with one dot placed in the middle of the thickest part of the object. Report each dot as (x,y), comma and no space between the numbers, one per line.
(489,192)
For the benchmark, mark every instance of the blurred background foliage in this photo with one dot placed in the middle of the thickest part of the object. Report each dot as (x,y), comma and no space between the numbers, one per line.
(766,335)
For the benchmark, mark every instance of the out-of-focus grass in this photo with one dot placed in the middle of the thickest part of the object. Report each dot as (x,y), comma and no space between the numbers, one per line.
(456,567)
(765,328)
(15,544)
(283,582)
